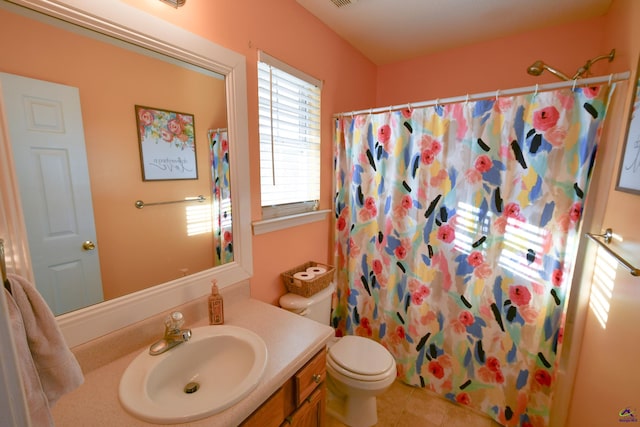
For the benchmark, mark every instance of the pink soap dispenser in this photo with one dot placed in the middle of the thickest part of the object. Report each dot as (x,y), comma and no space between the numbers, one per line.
(216,308)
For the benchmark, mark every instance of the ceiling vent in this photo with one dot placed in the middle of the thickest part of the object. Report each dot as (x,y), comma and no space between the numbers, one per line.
(342,3)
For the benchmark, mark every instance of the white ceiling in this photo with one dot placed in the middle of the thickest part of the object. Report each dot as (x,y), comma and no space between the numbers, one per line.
(387,31)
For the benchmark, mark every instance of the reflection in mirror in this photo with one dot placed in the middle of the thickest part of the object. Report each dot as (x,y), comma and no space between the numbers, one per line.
(136,248)
(221,195)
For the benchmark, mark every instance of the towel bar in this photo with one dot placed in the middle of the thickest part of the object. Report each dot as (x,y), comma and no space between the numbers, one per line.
(140,204)
(607,236)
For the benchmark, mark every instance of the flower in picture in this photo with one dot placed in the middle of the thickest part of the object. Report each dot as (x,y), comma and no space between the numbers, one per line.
(145,116)
(175,126)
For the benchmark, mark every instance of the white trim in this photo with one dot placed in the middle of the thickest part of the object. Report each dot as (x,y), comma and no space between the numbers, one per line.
(275,224)
(289,209)
(120,20)
(275,62)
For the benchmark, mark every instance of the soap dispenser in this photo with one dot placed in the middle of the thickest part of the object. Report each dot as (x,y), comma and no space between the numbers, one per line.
(216,308)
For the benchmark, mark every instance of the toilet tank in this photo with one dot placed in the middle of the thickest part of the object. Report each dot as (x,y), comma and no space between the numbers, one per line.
(316,307)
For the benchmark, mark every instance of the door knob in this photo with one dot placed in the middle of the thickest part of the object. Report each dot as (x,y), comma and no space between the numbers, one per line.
(88,245)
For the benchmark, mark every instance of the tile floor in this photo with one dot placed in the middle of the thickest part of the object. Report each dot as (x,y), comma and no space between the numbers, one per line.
(406,406)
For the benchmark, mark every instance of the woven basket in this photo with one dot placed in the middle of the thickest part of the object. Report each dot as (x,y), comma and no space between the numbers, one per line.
(306,288)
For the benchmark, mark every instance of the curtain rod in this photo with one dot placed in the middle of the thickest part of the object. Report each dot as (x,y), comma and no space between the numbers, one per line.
(478,96)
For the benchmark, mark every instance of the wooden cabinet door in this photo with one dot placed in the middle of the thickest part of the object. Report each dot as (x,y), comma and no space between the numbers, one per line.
(310,376)
(311,413)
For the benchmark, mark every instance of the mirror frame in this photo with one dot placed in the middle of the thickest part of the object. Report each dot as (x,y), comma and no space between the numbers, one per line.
(125,22)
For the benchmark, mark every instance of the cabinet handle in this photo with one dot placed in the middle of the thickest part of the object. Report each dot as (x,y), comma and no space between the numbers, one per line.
(316,378)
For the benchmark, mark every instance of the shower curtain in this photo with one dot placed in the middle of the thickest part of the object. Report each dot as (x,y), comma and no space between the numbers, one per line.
(221,196)
(456,232)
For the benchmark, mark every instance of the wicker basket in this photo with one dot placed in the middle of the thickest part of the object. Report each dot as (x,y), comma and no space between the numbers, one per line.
(306,288)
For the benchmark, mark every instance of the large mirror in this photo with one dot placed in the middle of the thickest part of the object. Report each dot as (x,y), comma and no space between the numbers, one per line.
(166,250)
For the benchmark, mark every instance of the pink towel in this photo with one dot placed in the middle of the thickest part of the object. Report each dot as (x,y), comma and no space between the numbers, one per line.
(37,403)
(57,369)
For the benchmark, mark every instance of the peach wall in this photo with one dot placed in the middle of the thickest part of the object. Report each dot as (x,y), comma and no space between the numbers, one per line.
(496,64)
(133,253)
(288,32)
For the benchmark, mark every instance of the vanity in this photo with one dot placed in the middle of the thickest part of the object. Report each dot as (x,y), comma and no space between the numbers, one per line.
(301,401)
(291,392)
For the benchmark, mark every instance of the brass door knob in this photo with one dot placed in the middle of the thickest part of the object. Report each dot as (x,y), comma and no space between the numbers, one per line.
(88,245)
(316,378)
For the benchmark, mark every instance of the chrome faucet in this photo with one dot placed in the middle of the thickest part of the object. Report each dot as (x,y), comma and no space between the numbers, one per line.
(173,335)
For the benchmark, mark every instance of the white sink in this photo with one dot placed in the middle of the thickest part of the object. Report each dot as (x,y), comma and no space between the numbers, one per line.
(223,362)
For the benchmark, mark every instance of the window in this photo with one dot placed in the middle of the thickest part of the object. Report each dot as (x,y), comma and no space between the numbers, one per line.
(289,123)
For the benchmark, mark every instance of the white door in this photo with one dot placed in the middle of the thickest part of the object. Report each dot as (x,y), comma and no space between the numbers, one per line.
(45,128)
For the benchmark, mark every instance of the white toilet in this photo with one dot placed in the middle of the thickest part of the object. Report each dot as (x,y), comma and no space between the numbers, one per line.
(358,368)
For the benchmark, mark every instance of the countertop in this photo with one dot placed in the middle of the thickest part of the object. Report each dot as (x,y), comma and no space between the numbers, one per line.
(291,341)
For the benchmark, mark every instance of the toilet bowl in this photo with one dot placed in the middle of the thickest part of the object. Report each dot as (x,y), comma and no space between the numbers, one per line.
(358,368)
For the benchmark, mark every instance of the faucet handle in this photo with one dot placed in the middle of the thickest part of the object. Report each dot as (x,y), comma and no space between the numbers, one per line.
(174,321)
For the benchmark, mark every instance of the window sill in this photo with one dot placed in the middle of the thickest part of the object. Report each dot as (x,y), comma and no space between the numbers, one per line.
(275,224)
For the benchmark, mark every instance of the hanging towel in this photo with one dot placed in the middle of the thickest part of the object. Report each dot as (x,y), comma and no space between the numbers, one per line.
(37,402)
(57,369)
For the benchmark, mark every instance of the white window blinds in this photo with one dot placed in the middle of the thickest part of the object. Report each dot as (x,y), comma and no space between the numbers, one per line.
(289,123)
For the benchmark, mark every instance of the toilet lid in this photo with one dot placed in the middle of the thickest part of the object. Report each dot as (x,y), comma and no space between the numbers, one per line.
(361,355)
(293,302)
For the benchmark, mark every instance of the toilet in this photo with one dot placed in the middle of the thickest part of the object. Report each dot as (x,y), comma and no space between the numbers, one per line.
(358,368)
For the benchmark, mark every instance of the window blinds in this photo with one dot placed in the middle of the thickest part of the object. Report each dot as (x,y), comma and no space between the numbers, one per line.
(289,126)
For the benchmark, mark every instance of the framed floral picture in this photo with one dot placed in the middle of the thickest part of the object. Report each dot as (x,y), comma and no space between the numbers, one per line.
(629,172)
(167,144)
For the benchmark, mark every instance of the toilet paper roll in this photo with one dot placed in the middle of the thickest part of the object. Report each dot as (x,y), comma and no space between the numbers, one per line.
(318,269)
(304,275)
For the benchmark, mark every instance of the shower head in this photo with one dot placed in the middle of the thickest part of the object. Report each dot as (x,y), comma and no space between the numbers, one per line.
(538,67)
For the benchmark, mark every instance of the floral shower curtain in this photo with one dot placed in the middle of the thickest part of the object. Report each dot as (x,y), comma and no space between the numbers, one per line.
(456,231)
(221,195)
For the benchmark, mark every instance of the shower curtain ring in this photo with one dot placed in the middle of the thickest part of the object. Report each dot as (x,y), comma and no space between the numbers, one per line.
(466,101)
(573,88)
(610,78)
(536,91)
(497,94)
(437,103)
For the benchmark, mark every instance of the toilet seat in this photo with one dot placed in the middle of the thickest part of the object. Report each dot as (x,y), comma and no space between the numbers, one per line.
(361,359)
